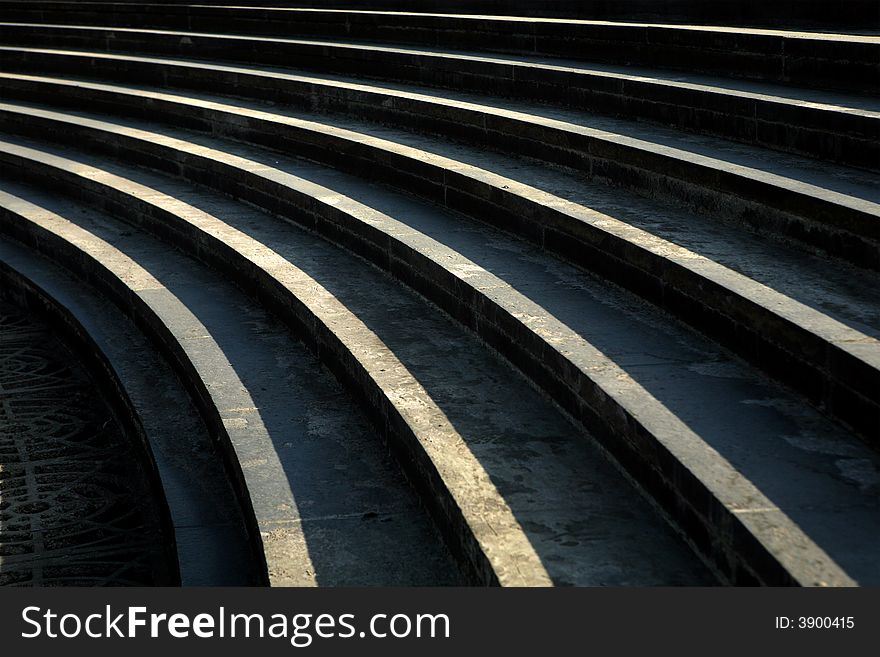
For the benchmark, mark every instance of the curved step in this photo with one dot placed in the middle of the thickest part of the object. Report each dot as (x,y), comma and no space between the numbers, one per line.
(834,210)
(831,362)
(484,458)
(836,61)
(844,129)
(825,14)
(207,535)
(761,531)
(329,507)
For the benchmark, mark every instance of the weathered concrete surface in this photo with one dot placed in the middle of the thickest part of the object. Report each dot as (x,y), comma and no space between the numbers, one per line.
(834,61)
(315,474)
(548,332)
(504,445)
(834,210)
(837,127)
(762,486)
(209,534)
(834,364)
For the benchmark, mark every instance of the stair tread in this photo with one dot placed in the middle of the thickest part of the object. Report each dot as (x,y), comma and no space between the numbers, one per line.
(845,293)
(536,22)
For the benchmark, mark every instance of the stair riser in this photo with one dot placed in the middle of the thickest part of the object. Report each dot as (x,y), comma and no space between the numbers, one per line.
(842,137)
(718,534)
(802,61)
(845,386)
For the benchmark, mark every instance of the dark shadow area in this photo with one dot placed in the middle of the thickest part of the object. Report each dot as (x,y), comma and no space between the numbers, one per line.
(209,535)
(76,506)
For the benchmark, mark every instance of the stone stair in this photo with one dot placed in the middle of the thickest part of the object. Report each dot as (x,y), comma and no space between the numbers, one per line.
(471,299)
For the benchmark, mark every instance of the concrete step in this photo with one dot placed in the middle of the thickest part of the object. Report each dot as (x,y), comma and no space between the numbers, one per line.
(328,505)
(834,127)
(516,493)
(838,61)
(683,168)
(662,439)
(815,14)
(206,533)
(829,356)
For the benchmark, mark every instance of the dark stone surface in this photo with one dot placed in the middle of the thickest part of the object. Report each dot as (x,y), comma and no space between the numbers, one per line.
(76,505)
(210,537)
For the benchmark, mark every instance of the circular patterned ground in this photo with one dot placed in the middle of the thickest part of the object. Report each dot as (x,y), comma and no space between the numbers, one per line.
(75,505)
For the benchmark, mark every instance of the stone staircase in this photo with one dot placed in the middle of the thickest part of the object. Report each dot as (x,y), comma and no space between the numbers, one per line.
(471,299)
